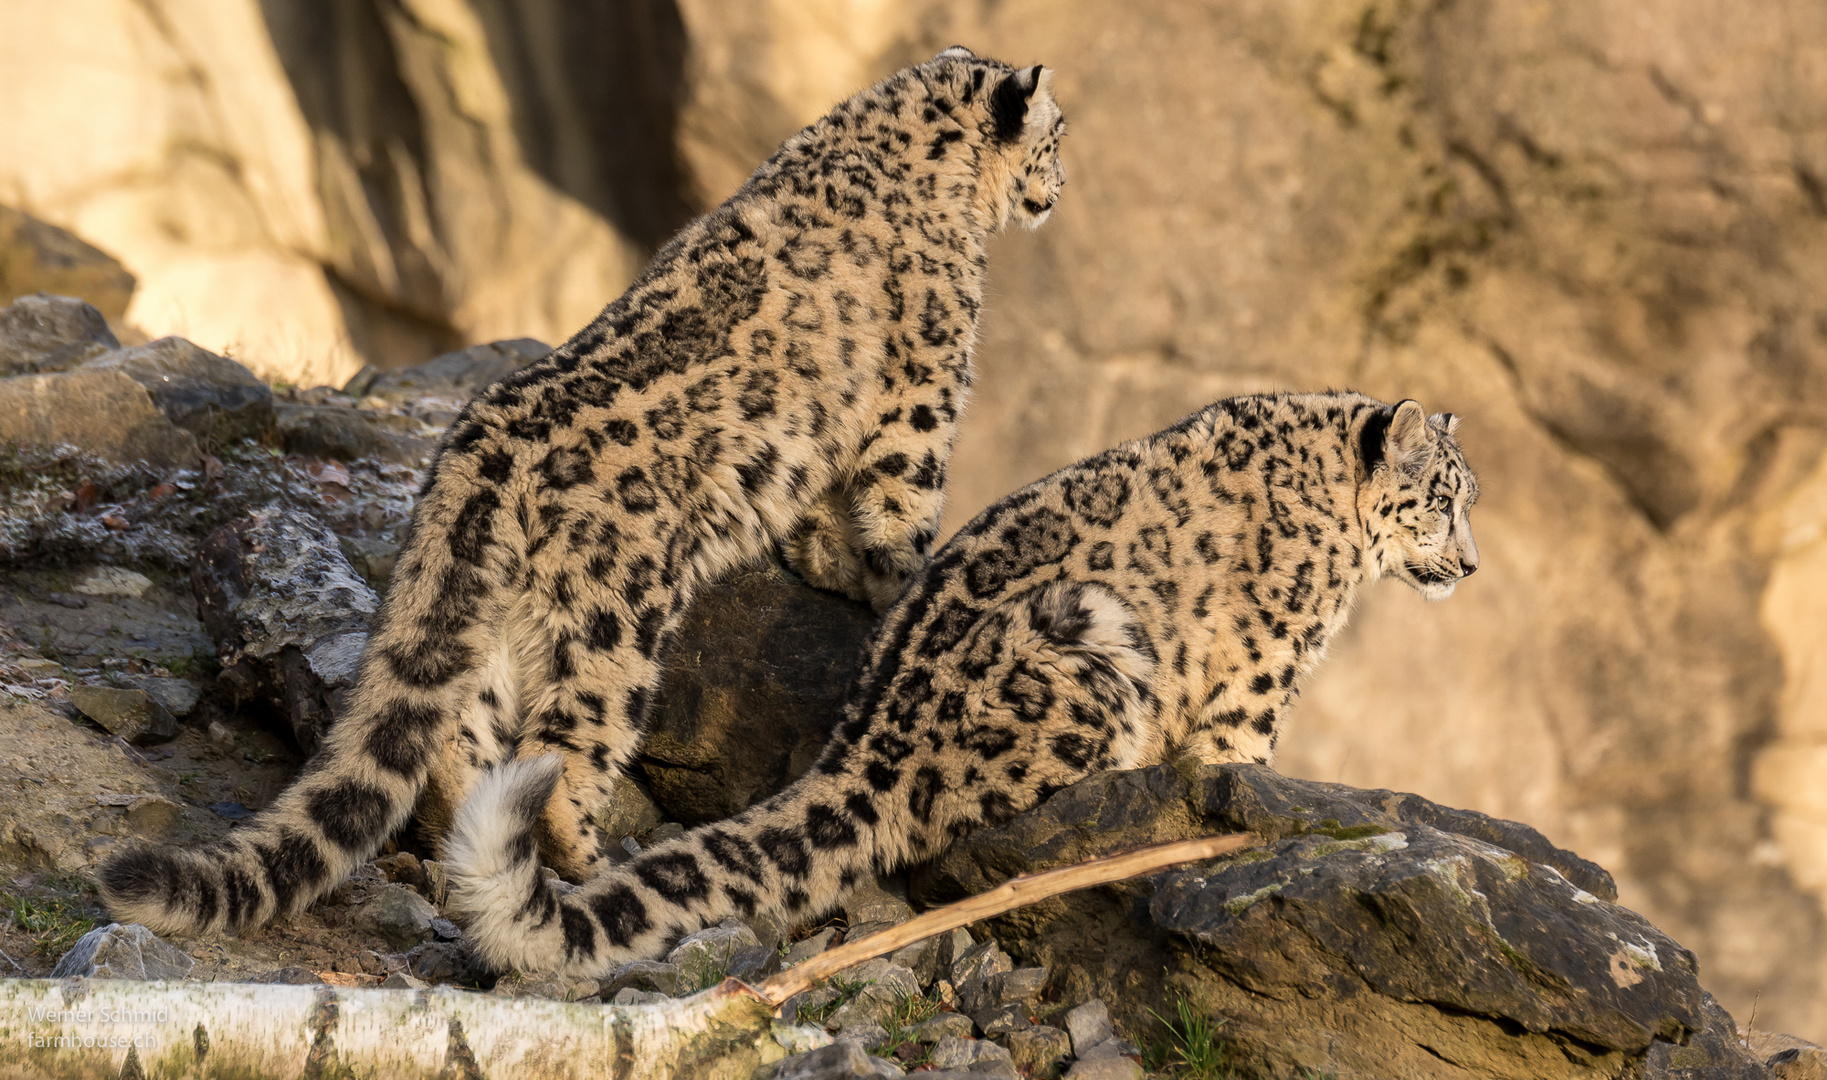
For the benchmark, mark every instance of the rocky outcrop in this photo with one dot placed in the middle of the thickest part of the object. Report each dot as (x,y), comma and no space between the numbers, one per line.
(1375,934)
(288,614)
(36,256)
(42,332)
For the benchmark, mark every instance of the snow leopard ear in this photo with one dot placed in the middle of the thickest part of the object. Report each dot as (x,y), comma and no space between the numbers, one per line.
(1407,444)
(1445,421)
(1009,101)
(956,52)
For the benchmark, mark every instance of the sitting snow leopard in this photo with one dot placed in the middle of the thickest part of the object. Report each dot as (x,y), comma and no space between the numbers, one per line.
(1162,598)
(786,374)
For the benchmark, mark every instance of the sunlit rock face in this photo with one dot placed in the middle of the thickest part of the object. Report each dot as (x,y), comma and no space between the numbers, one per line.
(1596,231)
(308,187)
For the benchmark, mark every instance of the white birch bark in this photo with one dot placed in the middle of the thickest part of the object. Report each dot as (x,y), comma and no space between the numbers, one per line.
(118,1028)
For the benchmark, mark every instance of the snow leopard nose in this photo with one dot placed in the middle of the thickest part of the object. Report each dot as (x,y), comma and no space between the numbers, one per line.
(1468,549)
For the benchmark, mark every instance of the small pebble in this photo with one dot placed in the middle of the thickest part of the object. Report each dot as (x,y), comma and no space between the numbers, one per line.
(1110,1068)
(945,1025)
(1110,1048)
(1089,1025)
(1004,1020)
(1040,1049)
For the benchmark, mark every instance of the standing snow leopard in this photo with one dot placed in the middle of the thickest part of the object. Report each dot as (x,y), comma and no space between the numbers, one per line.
(1163,597)
(786,374)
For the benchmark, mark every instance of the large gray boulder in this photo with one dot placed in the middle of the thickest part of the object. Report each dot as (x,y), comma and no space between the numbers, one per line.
(104,412)
(51,333)
(1372,934)
(212,397)
(1416,915)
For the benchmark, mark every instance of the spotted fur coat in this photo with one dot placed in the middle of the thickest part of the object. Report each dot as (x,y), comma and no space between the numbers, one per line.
(1166,597)
(786,374)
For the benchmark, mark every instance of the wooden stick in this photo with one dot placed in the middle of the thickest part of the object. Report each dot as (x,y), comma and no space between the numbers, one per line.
(1011,894)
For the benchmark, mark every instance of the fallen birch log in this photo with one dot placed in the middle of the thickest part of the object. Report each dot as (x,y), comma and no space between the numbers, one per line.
(115,1028)
(135,1030)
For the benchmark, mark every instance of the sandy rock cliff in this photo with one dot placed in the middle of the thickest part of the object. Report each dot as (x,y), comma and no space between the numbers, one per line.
(1598,231)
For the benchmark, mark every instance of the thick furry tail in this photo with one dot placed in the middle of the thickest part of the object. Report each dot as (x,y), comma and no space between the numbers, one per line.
(310,839)
(774,857)
(492,857)
(441,638)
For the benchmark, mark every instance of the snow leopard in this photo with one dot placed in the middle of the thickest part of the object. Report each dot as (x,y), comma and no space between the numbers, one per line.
(1163,599)
(785,377)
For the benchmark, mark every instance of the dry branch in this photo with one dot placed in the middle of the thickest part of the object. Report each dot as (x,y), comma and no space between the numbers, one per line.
(1011,894)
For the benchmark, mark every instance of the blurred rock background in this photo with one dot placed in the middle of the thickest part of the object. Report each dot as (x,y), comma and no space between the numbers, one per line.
(1596,229)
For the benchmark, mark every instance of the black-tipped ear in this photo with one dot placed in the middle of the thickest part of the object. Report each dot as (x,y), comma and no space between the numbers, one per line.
(1370,438)
(1406,444)
(1009,102)
(956,52)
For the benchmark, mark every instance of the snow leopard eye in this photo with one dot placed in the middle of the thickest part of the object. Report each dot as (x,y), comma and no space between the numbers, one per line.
(1440,504)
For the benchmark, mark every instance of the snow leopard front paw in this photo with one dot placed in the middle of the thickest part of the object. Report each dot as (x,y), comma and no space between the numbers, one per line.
(886,573)
(824,551)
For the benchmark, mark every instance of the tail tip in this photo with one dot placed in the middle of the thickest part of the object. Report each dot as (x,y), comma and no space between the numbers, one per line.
(527,784)
(134,877)
(493,828)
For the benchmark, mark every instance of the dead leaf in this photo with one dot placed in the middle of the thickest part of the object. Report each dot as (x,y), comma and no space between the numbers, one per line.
(115,522)
(327,472)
